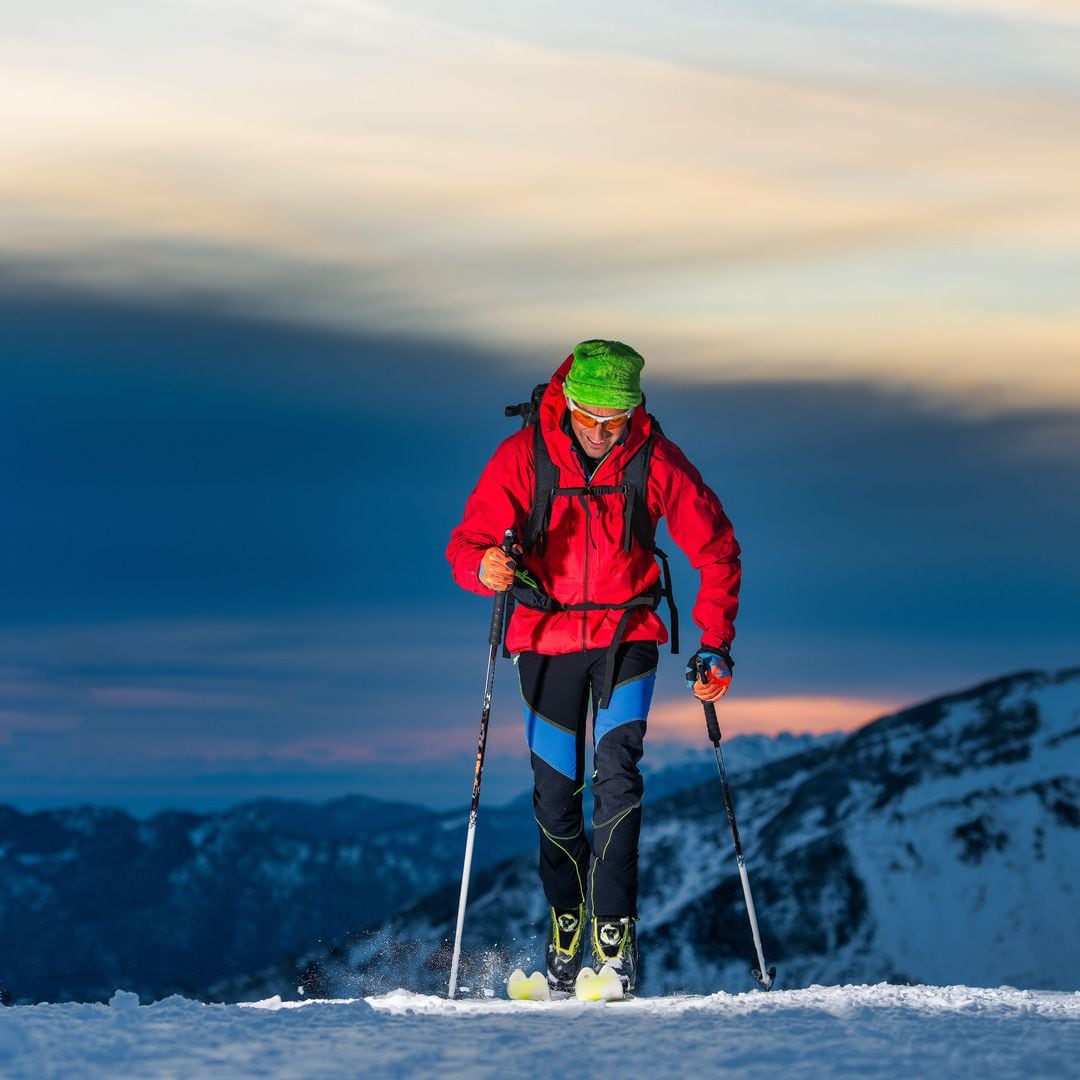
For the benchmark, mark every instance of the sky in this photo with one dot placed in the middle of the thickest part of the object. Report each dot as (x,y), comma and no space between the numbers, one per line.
(268,274)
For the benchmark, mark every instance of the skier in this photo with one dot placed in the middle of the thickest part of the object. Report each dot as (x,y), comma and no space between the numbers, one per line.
(584,488)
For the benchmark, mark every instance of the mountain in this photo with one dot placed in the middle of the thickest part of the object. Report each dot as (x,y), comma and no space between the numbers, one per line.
(92,898)
(349,817)
(674,767)
(940,844)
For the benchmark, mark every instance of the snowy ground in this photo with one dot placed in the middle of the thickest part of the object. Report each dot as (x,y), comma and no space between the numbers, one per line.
(864,1031)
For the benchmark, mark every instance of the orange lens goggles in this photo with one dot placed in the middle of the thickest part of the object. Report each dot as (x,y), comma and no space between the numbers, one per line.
(591,420)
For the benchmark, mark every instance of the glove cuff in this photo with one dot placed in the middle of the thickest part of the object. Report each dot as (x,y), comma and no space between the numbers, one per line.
(723,650)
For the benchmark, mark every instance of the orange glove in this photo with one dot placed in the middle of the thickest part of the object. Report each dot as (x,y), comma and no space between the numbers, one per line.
(497,568)
(717,674)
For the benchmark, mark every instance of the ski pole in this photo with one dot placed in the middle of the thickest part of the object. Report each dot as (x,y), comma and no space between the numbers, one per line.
(498,614)
(764,978)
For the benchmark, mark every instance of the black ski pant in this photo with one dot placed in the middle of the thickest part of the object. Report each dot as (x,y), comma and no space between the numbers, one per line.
(558,694)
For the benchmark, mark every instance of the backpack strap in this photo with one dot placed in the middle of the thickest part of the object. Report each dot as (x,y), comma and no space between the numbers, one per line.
(668,593)
(545,484)
(637,523)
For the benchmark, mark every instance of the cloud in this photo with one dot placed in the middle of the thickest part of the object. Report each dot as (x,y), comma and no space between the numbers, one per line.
(1055,12)
(165,699)
(681,720)
(201,712)
(13,722)
(401,170)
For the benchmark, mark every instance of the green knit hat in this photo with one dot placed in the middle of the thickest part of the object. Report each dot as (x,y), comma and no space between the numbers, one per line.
(605,373)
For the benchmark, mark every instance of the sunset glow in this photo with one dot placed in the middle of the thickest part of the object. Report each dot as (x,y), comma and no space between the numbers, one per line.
(682,721)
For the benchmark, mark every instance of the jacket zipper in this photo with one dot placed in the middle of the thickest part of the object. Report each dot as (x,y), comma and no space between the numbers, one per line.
(585,501)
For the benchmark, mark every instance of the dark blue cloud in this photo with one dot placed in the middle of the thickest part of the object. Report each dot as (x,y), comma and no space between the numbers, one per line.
(891,544)
(169,461)
(179,463)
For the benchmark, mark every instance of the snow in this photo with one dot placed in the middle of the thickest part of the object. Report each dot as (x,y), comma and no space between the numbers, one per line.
(986,918)
(865,1031)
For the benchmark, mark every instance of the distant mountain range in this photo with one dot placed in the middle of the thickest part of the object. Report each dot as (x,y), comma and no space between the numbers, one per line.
(940,844)
(93,899)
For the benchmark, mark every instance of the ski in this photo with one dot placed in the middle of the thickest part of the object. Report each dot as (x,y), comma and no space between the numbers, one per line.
(602,985)
(522,987)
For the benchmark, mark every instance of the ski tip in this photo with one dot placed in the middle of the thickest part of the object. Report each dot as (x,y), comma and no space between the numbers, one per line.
(522,987)
(603,985)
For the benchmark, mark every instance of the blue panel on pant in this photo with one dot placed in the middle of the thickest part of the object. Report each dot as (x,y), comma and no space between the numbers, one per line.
(555,746)
(628,703)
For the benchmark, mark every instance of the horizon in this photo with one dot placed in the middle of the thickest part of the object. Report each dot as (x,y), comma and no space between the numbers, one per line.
(498,794)
(509,768)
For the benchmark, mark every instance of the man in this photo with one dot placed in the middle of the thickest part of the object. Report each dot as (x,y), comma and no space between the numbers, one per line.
(585,633)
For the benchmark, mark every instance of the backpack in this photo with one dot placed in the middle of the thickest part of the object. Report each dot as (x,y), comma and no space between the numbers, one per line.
(637,526)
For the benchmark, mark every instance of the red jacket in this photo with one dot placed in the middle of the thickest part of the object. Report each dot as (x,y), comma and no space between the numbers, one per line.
(582,556)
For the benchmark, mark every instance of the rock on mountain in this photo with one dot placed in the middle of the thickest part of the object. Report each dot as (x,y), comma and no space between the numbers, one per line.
(940,844)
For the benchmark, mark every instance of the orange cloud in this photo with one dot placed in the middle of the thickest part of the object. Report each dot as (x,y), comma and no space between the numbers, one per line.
(683,721)
(395,172)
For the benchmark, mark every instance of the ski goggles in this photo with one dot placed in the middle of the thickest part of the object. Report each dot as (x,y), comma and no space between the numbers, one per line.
(590,420)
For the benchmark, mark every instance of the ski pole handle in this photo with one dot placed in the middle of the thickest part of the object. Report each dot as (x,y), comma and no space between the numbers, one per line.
(711,723)
(498,612)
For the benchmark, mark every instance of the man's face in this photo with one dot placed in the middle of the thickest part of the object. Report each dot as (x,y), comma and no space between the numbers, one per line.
(596,441)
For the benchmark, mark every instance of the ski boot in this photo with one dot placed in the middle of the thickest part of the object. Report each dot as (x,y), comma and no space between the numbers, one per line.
(564,948)
(614,945)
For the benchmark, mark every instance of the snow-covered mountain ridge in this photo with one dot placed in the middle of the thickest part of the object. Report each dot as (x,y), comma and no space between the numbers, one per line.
(92,898)
(940,844)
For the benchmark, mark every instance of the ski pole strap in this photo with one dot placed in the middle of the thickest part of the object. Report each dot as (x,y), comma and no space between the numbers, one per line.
(712,725)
